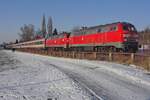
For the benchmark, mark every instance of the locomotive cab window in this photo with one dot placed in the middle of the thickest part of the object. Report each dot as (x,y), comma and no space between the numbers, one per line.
(129,28)
(132,28)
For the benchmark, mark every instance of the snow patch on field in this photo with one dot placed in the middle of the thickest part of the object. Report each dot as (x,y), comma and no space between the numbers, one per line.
(34,80)
(129,72)
(37,78)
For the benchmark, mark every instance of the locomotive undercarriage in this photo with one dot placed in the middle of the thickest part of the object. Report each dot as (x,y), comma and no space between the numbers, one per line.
(96,49)
(130,46)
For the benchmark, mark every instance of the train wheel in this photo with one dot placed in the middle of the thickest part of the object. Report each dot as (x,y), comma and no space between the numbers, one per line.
(96,49)
(112,49)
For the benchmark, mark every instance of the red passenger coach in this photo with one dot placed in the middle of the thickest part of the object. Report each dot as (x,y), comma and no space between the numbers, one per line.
(115,37)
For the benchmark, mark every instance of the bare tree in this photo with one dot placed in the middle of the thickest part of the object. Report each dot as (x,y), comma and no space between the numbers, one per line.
(43,28)
(147,30)
(27,32)
(144,36)
(50,26)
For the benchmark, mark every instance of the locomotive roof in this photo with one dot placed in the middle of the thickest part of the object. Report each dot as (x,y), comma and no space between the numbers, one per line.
(60,35)
(93,27)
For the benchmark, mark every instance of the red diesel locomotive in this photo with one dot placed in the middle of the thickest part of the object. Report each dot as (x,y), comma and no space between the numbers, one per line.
(118,36)
(115,37)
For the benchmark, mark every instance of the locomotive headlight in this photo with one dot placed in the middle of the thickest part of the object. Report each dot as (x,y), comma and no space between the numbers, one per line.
(125,39)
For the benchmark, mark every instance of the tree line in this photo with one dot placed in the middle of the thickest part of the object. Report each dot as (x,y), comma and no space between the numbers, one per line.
(144,36)
(28,31)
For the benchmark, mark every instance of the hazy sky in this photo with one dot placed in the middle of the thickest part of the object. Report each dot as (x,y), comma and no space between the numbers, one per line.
(69,13)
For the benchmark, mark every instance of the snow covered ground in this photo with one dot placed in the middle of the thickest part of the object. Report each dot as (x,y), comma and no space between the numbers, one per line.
(24,77)
(41,77)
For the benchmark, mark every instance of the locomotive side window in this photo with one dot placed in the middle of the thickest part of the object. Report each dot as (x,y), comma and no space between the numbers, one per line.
(103,29)
(125,27)
(99,30)
(91,31)
(115,28)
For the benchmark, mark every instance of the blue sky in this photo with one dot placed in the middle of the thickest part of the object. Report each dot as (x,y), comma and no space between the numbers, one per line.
(69,13)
